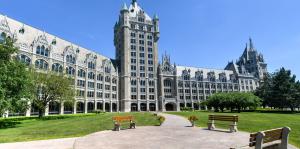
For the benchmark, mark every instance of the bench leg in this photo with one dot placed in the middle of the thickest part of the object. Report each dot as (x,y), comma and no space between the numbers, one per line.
(211,125)
(117,127)
(233,127)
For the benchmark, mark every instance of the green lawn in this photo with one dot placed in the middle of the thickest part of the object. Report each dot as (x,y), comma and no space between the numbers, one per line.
(254,121)
(73,126)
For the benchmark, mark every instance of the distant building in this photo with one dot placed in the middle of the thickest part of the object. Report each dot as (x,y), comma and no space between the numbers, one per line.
(135,80)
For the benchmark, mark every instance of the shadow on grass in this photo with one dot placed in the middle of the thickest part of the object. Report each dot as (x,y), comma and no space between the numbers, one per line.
(9,124)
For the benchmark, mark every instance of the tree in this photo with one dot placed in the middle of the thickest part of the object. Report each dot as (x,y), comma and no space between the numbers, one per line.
(233,100)
(283,89)
(15,81)
(52,87)
(264,90)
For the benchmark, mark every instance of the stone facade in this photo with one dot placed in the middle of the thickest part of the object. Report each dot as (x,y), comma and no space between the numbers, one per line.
(135,80)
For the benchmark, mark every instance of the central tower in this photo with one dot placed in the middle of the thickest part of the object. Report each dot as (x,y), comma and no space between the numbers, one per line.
(136,37)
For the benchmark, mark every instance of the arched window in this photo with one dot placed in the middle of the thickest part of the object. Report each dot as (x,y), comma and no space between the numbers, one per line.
(91,65)
(70,59)
(91,75)
(107,69)
(114,81)
(70,71)
(25,59)
(99,77)
(56,67)
(42,51)
(81,73)
(167,82)
(41,64)
(2,37)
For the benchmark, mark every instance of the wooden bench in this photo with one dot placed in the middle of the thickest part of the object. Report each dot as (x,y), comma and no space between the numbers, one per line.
(123,119)
(258,139)
(234,119)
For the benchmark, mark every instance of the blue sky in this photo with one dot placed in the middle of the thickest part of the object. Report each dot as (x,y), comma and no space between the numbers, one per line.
(203,33)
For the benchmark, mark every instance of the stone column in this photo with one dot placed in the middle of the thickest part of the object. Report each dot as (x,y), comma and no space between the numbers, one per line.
(85,106)
(47,110)
(75,108)
(28,111)
(61,108)
(110,106)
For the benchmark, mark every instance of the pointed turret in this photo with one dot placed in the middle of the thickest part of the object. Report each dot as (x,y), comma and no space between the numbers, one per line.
(124,7)
(251,44)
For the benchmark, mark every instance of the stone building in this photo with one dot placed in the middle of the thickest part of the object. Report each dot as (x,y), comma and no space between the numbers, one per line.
(135,80)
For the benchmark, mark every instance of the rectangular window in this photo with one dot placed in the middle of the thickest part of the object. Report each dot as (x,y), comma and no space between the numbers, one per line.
(143,96)
(142,68)
(133,96)
(151,97)
(90,94)
(99,86)
(150,62)
(150,75)
(142,74)
(151,90)
(80,93)
(141,42)
(142,61)
(133,90)
(99,94)
(132,41)
(107,87)
(133,61)
(150,69)
(133,67)
(107,95)
(132,34)
(141,36)
(150,56)
(114,88)
(133,54)
(143,90)
(142,49)
(80,83)
(150,49)
(149,43)
(142,54)
(133,74)
(133,47)
(91,85)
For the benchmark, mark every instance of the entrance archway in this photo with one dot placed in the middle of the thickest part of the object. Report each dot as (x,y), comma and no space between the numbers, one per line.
(99,106)
(54,107)
(143,107)
(68,108)
(80,107)
(107,107)
(90,107)
(114,107)
(133,107)
(170,107)
(152,107)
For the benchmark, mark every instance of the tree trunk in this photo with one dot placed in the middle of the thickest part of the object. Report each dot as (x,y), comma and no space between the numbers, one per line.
(239,110)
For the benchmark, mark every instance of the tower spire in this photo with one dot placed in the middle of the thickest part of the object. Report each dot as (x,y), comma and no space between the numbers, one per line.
(251,44)
(133,1)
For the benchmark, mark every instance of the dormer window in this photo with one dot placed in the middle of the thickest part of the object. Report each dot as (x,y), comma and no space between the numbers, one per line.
(2,37)
(91,65)
(141,19)
(41,50)
(70,59)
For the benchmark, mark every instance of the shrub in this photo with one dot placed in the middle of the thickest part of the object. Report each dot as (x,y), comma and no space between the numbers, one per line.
(161,119)
(192,118)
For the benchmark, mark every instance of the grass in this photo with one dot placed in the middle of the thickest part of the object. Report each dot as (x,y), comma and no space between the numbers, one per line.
(254,122)
(71,126)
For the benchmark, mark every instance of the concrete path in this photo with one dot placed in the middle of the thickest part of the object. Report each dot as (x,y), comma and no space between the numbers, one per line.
(174,133)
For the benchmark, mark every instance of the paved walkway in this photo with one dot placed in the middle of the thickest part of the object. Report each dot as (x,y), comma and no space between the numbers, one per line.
(174,133)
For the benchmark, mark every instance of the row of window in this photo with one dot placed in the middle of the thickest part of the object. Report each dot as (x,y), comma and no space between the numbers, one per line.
(142,61)
(142,90)
(142,82)
(143,97)
(141,27)
(142,55)
(81,83)
(141,36)
(141,48)
(91,94)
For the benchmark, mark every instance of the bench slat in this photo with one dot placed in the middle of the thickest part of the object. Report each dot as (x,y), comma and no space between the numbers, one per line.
(270,136)
(223,118)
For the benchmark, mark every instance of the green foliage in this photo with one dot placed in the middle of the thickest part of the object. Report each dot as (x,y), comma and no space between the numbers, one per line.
(280,90)
(52,87)
(186,109)
(15,81)
(161,119)
(232,101)
(98,111)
